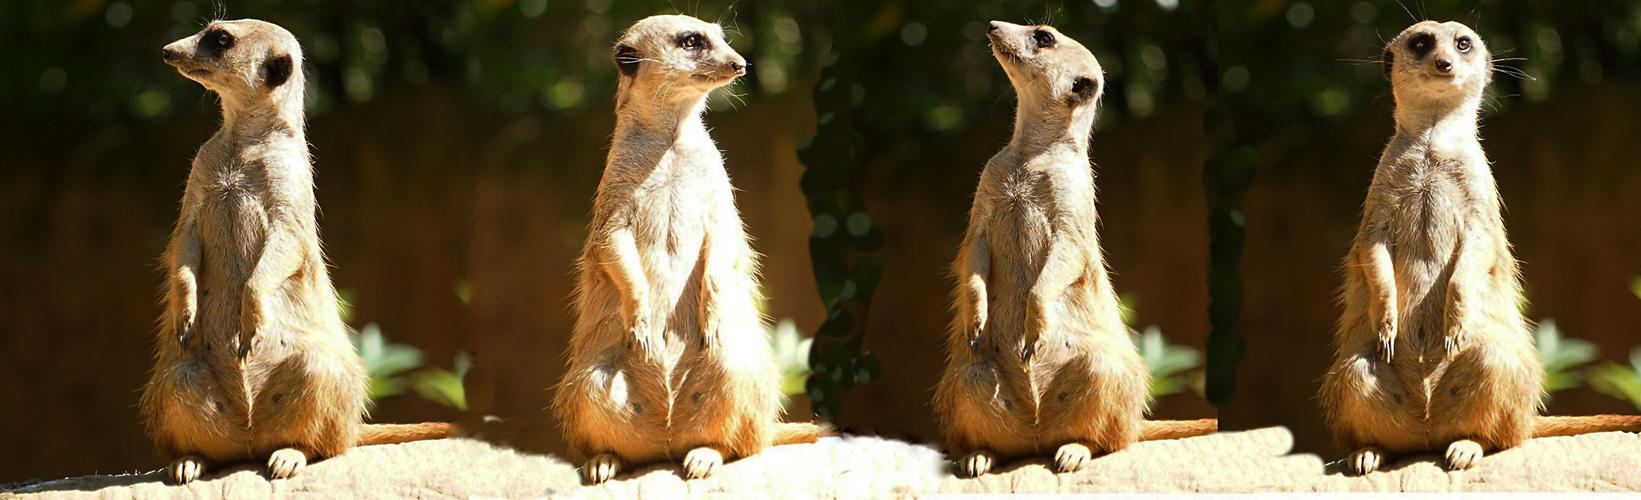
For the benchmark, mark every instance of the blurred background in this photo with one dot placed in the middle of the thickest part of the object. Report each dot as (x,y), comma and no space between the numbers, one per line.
(1303,92)
(457,146)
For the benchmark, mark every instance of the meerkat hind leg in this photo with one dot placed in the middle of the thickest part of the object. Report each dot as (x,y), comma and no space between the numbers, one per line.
(186,469)
(601,468)
(286,462)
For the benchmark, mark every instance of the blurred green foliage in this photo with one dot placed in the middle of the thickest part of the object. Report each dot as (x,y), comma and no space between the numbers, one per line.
(1173,367)
(1561,357)
(1619,381)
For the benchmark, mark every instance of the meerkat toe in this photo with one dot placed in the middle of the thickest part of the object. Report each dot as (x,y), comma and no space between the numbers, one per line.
(1366,460)
(976,463)
(186,469)
(1387,348)
(286,462)
(1463,454)
(700,462)
(601,468)
(1071,457)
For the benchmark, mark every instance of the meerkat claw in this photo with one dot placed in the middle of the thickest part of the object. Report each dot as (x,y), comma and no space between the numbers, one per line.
(601,468)
(1463,454)
(976,464)
(1365,460)
(186,469)
(285,463)
(1387,347)
(1071,457)
(701,462)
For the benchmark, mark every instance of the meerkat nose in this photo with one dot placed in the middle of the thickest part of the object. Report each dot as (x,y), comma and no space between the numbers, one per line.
(1444,65)
(739,67)
(994,27)
(171,54)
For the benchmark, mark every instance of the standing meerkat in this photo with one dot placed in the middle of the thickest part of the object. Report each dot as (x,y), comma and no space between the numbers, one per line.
(253,361)
(1433,350)
(669,359)
(1038,357)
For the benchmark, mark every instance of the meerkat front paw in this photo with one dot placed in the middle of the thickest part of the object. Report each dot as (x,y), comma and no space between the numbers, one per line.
(1365,460)
(977,463)
(185,329)
(1463,454)
(1071,457)
(601,468)
(700,462)
(285,463)
(1387,339)
(250,321)
(186,469)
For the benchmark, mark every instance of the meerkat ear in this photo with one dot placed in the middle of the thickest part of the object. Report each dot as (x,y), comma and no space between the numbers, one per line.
(626,58)
(1389,61)
(1083,89)
(277,70)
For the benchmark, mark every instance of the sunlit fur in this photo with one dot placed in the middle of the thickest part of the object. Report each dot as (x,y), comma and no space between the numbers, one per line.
(252,360)
(1433,352)
(669,359)
(1038,360)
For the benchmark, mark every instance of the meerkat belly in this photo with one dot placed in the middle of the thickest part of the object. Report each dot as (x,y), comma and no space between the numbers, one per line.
(1427,218)
(1019,233)
(673,223)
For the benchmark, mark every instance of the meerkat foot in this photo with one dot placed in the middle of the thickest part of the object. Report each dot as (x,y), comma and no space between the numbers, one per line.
(186,469)
(1071,457)
(601,468)
(977,463)
(286,462)
(701,462)
(1463,454)
(1366,460)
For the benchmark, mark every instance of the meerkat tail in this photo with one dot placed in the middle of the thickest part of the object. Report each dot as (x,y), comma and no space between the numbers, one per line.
(1570,426)
(370,434)
(1178,429)
(800,432)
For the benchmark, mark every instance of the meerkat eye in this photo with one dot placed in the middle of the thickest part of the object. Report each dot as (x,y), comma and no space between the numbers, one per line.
(1463,44)
(1044,39)
(692,41)
(215,41)
(1420,44)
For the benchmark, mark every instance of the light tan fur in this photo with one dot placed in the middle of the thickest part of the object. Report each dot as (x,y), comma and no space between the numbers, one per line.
(252,359)
(1432,349)
(669,359)
(1038,358)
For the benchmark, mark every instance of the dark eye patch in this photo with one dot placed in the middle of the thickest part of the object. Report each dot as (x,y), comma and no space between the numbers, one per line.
(215,41)
(1043,38)
(1421,44)
(691,41)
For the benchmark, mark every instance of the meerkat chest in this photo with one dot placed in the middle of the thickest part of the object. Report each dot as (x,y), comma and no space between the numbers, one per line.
(232,219)
(1428,203)
(674,206)
(1022,207)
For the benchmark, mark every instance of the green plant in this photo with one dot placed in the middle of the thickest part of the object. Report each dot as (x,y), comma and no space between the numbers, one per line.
(444,386)
(1622,382)
(1173,367)
(792,353)
(385,361)
(1560,355)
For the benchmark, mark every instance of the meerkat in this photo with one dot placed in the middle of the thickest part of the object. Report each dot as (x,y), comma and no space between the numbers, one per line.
(1432,348)
(253,360)
(1038,357)
(669,358)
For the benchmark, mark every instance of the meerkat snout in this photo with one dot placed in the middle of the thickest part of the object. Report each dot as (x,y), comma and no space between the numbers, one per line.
(239,58)
(1041,61)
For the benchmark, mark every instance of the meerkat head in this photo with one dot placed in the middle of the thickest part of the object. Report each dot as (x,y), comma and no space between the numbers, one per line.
(1046,66)
(1437,61)
(246,61)
(675,58)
